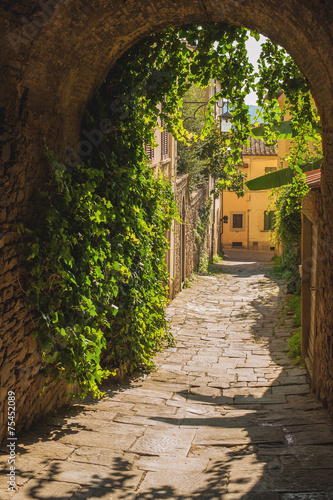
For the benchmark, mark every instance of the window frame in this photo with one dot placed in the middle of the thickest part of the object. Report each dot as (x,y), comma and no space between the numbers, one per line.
(269,170)
(269,216)
(232,228)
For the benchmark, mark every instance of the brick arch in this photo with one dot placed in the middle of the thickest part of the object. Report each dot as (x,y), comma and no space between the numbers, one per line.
(50,76)
(69,56)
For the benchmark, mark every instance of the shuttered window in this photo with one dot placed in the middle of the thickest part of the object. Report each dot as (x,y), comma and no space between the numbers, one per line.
(164,142)
(149,152)
(268,221)
(237,221)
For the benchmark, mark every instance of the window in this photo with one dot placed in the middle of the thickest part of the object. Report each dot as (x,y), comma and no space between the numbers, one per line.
(164,142)
(237,221)
(270,169)
(149,152)
(268,221)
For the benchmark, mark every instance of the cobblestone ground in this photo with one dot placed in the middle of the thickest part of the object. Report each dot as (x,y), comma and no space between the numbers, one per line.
(225,416)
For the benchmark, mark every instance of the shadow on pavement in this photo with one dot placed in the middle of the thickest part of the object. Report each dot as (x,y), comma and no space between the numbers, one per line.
(273,440)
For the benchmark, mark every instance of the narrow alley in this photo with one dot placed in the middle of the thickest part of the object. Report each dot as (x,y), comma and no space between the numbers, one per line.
(226,415)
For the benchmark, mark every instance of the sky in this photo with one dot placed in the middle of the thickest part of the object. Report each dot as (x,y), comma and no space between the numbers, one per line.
(253,48)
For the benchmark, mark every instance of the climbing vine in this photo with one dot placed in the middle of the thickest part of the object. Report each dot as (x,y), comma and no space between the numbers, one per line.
(97,251)
(200,234)
(287,232)
(277,72)
(287,218)
(98,270)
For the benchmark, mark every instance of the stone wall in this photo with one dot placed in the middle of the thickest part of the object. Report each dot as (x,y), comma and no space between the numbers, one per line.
(311,206)
(183,203)
(54,55)
(189,205)
(321,370)
(198,200)
(21,370)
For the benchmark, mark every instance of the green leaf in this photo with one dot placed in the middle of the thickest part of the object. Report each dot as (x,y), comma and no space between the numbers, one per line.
(311,165)
(55,317)
(271,180)
(280,178)
(284,129)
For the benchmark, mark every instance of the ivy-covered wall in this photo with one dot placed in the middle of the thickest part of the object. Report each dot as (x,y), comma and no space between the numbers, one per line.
(198,201)
(194,244)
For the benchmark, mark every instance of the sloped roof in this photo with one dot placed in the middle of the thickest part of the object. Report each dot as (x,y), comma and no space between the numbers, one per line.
(313,179)
(258,148)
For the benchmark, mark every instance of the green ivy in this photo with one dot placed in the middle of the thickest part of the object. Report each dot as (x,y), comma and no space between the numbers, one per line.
(295,352)
(98,272)
(287,232)
(287,216)
(295,305)
(200,235)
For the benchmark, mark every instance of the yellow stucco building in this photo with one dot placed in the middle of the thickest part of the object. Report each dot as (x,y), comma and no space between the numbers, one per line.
(249,219)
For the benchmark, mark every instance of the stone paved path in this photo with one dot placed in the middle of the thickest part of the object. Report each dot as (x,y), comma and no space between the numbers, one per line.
(225,416)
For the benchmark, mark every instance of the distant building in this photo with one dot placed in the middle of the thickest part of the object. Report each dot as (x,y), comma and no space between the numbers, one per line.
(182,257)
(249,218)
(163,159)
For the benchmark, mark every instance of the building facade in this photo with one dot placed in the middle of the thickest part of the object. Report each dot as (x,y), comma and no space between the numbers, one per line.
(182,257)
(249,220)
(163,160)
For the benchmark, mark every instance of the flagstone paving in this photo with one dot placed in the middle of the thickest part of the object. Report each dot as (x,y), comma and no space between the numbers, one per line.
(226,415)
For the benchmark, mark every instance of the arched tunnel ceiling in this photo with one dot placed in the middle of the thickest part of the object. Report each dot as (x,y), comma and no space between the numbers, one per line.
(73,45)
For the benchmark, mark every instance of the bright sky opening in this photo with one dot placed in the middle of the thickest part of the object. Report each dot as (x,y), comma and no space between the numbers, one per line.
(254,48)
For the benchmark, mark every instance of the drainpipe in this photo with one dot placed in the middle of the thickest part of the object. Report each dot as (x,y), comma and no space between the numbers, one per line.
(248,229)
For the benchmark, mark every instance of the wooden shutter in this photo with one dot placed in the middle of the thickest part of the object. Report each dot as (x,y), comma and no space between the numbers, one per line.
(237,221)
(164,142)
(149,152)
(268,220)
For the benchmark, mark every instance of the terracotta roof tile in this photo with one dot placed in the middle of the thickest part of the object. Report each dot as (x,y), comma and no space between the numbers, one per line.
(258,148)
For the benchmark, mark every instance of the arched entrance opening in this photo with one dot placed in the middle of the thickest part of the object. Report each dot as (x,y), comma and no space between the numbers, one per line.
(48,88)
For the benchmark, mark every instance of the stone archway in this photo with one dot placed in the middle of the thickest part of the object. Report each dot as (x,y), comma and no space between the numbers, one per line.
(54,55)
